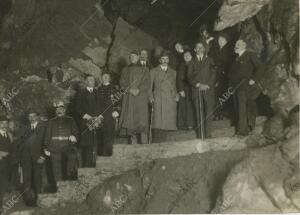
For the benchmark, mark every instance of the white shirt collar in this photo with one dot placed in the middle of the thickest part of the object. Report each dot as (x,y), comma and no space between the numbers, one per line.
(90,89)
(143,62)
(106,84)
(3,133)
(241,53)
(209,39)
(164,68)
(200,57)
(33,125)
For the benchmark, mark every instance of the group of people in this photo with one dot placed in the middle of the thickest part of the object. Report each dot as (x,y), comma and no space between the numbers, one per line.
(180,92)
(57,147)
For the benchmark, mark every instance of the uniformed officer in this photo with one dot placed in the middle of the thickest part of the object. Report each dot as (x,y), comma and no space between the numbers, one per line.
(60,139)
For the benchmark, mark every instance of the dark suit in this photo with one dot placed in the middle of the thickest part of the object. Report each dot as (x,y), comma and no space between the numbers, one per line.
(31,149)
(62,164)
(242,70)
(5,164)
(203,72)
(185,109)
(87,103)
(107,106)
(223,61)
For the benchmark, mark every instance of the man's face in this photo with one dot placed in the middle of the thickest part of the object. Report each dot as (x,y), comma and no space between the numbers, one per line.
(90,81)
(179,47)
(3,125)
(134,58)
(239,46)
(106,78)
(187,57)
(222,41)
(199,49)
(60,111)
(164,60)
(32,117)
(144,55)
(204,33)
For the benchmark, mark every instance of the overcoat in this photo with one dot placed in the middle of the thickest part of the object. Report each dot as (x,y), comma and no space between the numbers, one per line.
(134,113)
(164,93)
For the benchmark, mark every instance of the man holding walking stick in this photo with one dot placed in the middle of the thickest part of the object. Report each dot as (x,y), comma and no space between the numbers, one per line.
(202,77)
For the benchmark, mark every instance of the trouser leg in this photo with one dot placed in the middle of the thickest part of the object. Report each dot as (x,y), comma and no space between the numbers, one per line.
(108,136)
(88,156)
(37,176)
(56,168)
(242,111)
(70,163)
(251,112)
(50,175)
(209,104)
(27,173)
(159,135)
(28,186)
(4,175)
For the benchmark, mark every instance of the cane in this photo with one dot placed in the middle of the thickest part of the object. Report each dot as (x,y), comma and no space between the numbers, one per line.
(150,125)
(200,96)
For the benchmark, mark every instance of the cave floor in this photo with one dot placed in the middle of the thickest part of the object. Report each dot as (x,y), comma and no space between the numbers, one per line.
(127,157)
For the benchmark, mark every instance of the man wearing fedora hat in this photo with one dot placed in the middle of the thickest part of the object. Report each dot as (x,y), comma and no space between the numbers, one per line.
(60,139)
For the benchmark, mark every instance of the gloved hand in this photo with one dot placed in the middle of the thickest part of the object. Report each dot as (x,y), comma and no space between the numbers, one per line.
(182,94)
(72,139)
(115,114)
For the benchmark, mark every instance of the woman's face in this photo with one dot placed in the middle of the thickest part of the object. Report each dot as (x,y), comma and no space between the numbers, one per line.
(187,56)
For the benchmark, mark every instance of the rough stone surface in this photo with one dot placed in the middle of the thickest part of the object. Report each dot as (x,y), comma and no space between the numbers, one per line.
(235,11)
(126,39)
(270,175)
(150,189)
(128,157)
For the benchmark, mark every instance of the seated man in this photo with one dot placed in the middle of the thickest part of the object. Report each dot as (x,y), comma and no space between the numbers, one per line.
(60,139)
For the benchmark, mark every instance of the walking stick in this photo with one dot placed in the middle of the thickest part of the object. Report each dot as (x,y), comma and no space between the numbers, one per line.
(150,125)
(200,96)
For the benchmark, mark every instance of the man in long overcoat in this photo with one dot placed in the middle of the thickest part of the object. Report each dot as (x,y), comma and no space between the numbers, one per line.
(135,84)
(164,97)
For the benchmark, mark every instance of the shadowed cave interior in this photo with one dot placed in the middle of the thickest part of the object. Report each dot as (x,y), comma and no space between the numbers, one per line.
(48,47)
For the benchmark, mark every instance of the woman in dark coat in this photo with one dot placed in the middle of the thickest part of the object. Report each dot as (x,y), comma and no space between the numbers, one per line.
(185,113)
